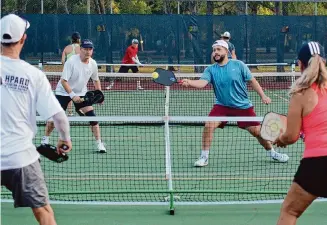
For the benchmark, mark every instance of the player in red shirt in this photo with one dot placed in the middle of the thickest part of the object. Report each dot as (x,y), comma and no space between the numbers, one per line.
(130,57)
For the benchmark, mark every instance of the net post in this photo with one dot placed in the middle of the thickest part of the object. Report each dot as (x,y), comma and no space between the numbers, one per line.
(40,65)
(168,155)
(171,204)
(168,167)
(293,72)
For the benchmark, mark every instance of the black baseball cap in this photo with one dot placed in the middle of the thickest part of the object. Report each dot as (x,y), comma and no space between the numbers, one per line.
(308,50)
(76,36)
(86,43)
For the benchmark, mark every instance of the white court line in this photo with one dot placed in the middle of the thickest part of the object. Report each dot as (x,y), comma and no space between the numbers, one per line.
(160,174)
(158,118)
(174,178)
(165,203)
(88,138)
(181,75)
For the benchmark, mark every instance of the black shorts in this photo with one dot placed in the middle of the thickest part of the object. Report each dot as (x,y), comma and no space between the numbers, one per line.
(125,69)
(312,175)
(64,101)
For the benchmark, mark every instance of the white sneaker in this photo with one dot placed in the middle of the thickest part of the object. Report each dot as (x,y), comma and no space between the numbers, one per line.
(101,148)
(279,157)
(111,85)
(45,140)
(202,161)
(138,85)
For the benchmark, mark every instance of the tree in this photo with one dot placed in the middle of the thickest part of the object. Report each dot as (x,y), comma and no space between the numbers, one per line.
(8,6)
(133,7)
(162,7)
(21,6)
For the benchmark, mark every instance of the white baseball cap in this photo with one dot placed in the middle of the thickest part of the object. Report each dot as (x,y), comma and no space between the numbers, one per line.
(220,43)
(226,34)
(13,28)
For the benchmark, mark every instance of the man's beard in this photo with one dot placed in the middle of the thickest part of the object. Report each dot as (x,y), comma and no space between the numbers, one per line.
(222,57)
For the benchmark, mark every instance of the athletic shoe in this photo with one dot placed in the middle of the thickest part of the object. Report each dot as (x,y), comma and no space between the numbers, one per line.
(202,161)
(101,148)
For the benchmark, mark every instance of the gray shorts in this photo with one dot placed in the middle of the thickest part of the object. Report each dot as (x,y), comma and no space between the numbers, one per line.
(27,185)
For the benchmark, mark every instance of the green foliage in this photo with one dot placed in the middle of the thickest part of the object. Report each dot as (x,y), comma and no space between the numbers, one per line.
(79,8)
(9,6)
(133,7)
(164,6)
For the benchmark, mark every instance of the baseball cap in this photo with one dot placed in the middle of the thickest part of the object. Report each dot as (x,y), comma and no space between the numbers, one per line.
(220,43)
(86,43)
(135,41)
(226,34)
(76,36)
(13,28)
(309,49)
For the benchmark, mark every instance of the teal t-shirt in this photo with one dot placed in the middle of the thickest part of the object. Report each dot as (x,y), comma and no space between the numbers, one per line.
(229,83)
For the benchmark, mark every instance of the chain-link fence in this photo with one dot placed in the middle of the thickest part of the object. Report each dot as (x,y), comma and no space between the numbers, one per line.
(262,31)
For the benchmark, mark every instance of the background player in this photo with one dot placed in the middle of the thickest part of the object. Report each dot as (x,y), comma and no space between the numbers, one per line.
(71,49)
(307,110)
(26,91)
(73,85)
(229,78)
(68,51)
(231,48)
(130,57)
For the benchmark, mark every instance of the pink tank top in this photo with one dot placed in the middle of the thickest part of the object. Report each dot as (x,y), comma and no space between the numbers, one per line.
(314,127)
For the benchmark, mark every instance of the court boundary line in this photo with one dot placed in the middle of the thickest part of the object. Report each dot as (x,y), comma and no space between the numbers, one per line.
(160,174)
(158,119)
(99,203)
(177,179)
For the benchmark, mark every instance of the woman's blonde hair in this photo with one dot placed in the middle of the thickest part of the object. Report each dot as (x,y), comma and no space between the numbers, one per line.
(316,72)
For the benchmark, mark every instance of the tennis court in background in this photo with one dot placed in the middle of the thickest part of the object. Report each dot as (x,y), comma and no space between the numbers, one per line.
(123,99)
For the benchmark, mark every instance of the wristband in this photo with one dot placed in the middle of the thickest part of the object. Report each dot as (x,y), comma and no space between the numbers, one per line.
(72,95)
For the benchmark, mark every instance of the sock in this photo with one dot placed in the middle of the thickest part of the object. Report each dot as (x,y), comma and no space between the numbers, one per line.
(45,140)
(205,153)
(98,141)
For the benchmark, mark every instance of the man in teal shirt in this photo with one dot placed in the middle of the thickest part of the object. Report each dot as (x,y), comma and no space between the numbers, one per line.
(229,78)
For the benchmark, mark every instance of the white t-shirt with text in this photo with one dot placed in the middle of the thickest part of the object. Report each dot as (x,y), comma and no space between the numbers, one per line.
(25,90)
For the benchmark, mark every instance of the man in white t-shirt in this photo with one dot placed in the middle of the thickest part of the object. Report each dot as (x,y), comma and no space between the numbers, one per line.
(25,90)
(77,72)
